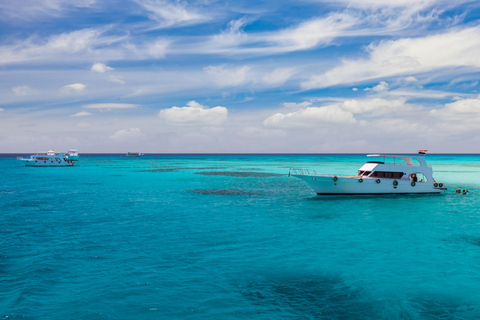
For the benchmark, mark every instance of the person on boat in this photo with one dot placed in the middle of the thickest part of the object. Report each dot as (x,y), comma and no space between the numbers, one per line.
(414,177)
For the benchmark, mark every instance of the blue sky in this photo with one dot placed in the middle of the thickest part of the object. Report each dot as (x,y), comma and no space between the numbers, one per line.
(307,76)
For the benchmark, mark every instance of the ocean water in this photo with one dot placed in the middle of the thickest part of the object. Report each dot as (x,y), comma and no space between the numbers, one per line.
(233,237)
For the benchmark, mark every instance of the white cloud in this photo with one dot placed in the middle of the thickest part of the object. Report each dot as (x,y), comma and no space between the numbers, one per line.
(171,13)
(22,91)
(308,117)
(381,87)
(81,114)
(255,76)
(153,48)
(372,4)
(293,105)
(16,11)
(307,35)
(367,18)
(396,119)
(354,89)
(375,106)
(467,106)
(101,68)
(157,49)
(453,49)
(314,32)
(278,76)
(76,45)
(73,88)
(411,79)
(347,112)
(411,5)
(81,3)
(458,117)
(394,128)
(70,42)
(399,17)
(195,113)
(233,36)
(428,94)
(1,109)
(54,47)
(110,106)
(127,134)
(81,45)
(460,108)
(228,77)
(118,79)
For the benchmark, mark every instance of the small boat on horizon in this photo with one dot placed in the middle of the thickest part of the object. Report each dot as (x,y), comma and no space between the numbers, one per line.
(72,154)
(47,159)
(405,174)
(134,154)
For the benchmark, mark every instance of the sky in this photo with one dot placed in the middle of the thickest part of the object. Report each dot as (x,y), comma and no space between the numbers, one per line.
(245,76)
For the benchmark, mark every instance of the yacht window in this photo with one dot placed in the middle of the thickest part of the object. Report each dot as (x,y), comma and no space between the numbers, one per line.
(397,175)
(389,175)
(379,174)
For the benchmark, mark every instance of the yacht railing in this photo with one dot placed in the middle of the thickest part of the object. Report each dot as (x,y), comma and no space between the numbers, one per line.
(311,172)
(398,164)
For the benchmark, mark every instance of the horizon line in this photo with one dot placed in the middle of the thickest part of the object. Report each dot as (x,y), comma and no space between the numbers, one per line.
(255,153)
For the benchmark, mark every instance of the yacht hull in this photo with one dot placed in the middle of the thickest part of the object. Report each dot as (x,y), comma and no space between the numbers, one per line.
(47,165)
(30,163)
(325,185)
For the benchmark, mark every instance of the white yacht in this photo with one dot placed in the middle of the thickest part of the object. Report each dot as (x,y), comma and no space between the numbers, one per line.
(134,154)
(402,174)
(47,159)
(72,155)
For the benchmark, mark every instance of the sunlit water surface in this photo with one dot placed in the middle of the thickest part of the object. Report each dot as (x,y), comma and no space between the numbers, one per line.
(233,237)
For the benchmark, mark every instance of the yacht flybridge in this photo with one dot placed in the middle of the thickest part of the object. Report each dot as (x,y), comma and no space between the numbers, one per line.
(382,174)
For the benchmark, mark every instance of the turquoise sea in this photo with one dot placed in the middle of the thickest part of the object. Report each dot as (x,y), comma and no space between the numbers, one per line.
(233,237)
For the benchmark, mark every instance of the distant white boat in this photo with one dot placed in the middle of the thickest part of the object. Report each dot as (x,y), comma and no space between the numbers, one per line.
(72,155)
(134,154)
(377,177)
(47,159)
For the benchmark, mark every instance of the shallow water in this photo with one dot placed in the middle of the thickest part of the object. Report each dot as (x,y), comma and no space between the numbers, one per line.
(233,237)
